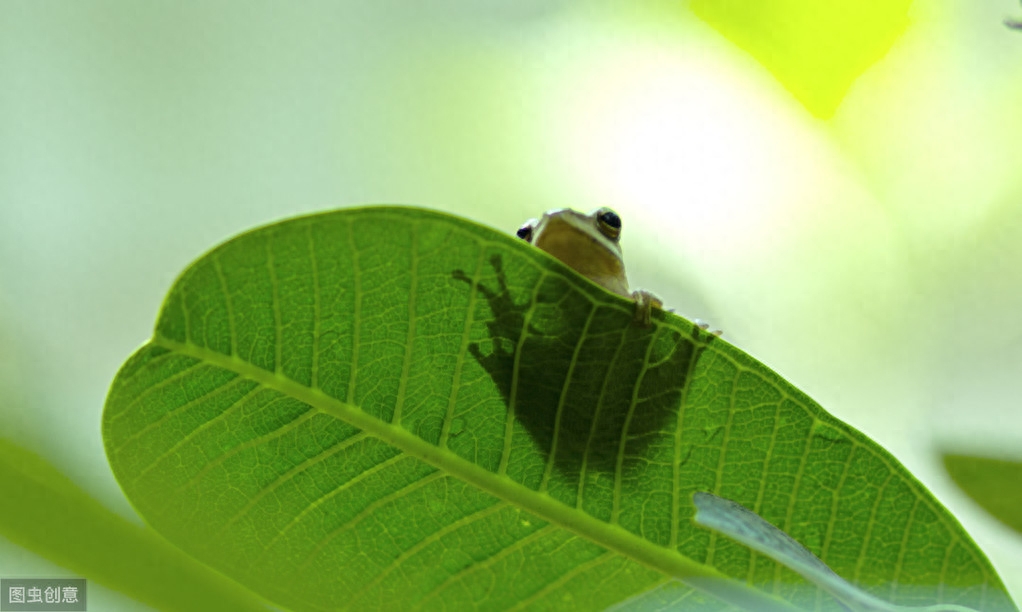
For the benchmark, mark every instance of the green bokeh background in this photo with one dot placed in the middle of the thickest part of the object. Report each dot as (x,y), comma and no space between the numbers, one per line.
(873,258)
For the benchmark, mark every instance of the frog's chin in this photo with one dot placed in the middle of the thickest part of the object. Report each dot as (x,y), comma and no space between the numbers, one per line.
(588,256)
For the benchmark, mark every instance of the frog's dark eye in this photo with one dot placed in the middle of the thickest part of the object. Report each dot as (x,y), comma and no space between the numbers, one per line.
(609,223)
(525,232)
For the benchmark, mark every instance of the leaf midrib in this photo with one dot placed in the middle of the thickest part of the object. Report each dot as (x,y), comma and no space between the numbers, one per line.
(612,537)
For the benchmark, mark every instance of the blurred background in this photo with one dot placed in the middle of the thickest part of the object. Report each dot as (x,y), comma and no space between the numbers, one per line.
(848,210)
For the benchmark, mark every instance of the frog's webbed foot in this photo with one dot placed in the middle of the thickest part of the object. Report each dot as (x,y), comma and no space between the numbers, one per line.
(705,326)
(645,302)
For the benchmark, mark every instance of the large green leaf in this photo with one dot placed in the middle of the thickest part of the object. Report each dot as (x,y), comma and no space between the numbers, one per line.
(386,408)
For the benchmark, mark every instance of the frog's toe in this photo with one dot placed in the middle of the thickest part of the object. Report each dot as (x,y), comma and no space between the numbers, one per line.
(705,326)
(645,302)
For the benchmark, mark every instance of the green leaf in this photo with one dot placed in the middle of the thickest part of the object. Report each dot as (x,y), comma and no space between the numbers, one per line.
(43,511)
(815,49)
(994,484)
(387,408)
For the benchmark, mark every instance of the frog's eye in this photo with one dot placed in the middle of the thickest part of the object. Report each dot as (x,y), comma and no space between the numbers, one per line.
(609,223)
(525,232)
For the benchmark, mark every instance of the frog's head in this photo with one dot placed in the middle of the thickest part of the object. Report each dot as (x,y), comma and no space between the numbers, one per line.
(602,226)
(589,243)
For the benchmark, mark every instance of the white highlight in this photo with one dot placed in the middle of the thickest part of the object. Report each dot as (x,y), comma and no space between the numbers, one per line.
(684,139)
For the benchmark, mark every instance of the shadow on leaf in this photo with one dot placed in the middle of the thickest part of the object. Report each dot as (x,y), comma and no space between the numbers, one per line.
(592,388)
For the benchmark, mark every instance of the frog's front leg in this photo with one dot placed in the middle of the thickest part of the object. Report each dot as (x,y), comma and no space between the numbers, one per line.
(645,302)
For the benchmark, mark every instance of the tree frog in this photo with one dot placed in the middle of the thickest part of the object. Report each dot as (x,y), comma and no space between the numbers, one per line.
(589,244)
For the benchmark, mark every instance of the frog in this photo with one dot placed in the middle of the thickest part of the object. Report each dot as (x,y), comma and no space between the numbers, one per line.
(591,245)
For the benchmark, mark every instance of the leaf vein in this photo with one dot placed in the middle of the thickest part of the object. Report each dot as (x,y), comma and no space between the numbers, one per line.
(615,512)
(356,316)
(317,299)
(191,435)
(496,557)
(423,543)
(209,394)
(406,362)
(278,330)
(552,455)
(298,468)
(761,490)
(276,433)
(563,579)
(711,548)
(869,528)
(594,424)
(368,510)
(466,334)
(228,305)
(183,373)
(509,422)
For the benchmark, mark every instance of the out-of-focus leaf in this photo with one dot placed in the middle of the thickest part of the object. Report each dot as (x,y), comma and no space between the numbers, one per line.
(995,484)
(816,49)
(42,511)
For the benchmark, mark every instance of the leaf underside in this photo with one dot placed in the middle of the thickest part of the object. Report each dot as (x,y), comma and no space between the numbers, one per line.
(395,408)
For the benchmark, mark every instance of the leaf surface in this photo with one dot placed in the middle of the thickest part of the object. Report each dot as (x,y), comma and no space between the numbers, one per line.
(392,408)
